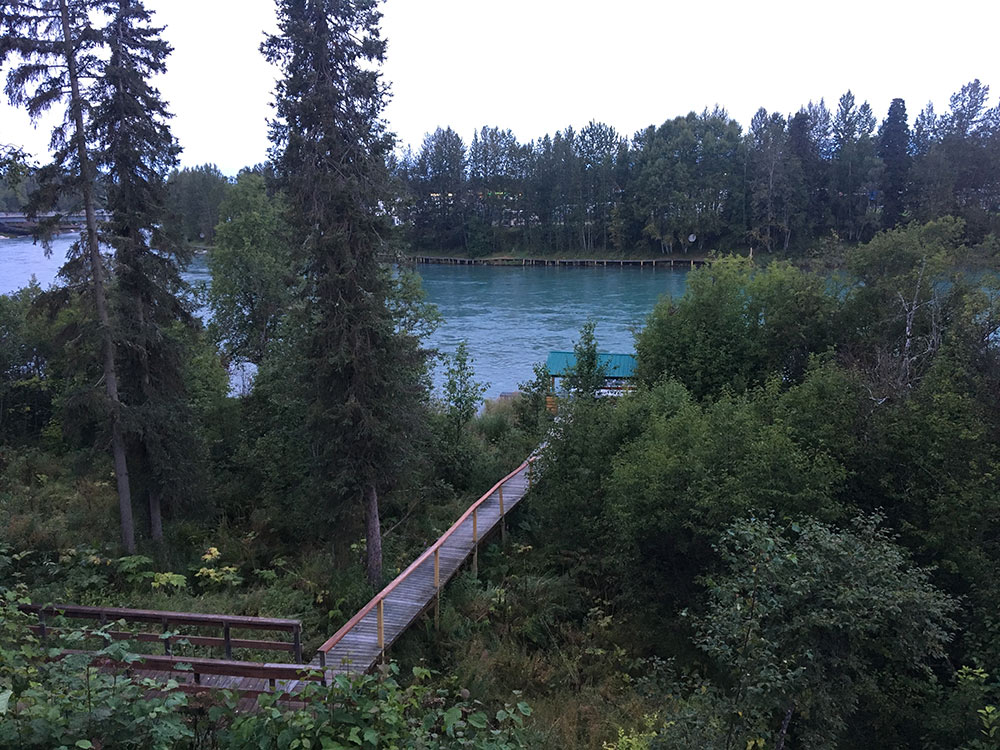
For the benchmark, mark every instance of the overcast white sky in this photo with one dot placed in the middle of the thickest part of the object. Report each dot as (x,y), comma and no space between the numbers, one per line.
(536,66)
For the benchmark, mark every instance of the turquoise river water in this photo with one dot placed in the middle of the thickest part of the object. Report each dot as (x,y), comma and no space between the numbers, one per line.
(511,317)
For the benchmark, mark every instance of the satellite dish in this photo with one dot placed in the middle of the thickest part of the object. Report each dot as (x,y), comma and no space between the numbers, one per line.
(691,238)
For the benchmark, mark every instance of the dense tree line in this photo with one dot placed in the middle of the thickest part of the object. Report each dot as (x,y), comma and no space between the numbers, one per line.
(782,184)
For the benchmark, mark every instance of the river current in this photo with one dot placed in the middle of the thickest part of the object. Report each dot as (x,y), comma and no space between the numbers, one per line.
(511,317)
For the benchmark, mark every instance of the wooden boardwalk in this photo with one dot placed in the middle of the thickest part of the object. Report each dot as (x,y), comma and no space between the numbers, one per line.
(357,647)
(362,642)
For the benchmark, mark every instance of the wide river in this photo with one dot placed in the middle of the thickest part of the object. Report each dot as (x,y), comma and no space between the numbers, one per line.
(511,317)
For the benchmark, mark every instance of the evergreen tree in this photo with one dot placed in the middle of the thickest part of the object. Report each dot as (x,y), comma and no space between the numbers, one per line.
(808,142)
(135,148)
(440,168)
(777,190)
(893,150)
(493,155)
(597,148)
(854,168)
(53,45)
(363,376)
(587,375)
(925,131)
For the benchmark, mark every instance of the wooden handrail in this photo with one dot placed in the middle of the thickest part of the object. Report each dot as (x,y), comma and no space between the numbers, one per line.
(199,666)
(105,615)
(193,640)
(110,614)
(379,597)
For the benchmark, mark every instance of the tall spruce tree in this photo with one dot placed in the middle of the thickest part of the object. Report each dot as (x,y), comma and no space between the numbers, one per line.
(52,45)
(362,379)
(894,151)
(134,147)
(854,168)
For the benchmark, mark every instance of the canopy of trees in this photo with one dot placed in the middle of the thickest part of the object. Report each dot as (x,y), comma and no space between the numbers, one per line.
(779,185)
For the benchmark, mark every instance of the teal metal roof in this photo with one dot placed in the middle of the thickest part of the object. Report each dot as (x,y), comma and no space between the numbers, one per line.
(615,365)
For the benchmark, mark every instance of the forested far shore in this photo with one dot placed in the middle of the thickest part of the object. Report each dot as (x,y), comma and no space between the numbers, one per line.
(702,182)
(797,184)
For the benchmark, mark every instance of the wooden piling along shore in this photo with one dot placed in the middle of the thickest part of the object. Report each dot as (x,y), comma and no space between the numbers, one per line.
(680,263)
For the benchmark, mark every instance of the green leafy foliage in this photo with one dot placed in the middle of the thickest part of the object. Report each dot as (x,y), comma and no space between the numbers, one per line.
(463,394)
(694,469)
(736,326)
(373,712)
(252,273)
(806,619)
(65,702)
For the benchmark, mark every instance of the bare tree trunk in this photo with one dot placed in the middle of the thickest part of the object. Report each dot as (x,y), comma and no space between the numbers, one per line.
(780,744)
(100,298)
(770,202)
(373,532)
(155,517)
(910,311)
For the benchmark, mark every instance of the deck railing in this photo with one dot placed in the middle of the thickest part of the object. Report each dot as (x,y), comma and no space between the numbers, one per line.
(166,620)
(195,668)
(378,603)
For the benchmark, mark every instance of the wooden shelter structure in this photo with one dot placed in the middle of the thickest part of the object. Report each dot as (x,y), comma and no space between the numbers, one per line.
(619,373)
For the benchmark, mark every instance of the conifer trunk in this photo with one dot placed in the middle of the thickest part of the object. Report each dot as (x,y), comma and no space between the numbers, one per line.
(373,533)
(155,517)
(100,299)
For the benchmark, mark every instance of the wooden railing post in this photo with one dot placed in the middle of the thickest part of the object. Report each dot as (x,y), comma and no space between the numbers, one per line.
(381,628)
(322,667)
(475,543)
(437,587)
(297,643)
(166,641)
(228,641)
